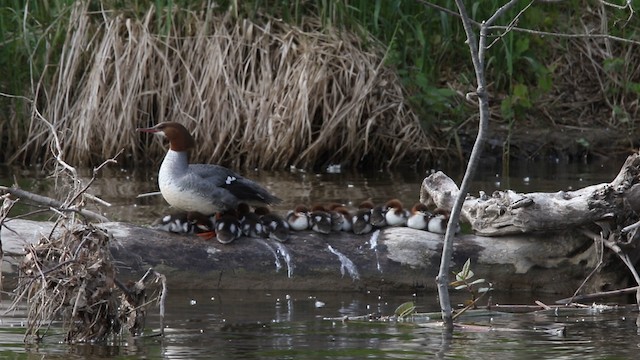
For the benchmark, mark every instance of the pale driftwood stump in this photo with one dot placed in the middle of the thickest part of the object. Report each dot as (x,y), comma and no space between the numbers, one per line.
(509,213)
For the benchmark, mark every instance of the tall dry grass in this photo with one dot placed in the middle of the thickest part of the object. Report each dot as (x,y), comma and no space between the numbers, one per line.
(255,94)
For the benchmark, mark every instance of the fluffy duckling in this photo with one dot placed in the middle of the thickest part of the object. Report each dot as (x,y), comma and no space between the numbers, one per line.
(438,223)
(250,222)
(274,225)
(228,227)
(378,216)
(175,223)
(341,219)
(362,219)
(420,217)
(298,219)
(320,220)
(203,226)
(395,215)
(336,217)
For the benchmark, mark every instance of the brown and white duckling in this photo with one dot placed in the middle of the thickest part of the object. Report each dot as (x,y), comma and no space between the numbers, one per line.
(395,215)
(320,220)
(362,219)
(341,219)
(438,223)
(336,218)
(420,217)
(228,227)
(378,216)
(298,219)
(274,225)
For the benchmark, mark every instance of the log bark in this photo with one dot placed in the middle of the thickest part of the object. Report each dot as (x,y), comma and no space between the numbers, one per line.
(393,259)
(509,213)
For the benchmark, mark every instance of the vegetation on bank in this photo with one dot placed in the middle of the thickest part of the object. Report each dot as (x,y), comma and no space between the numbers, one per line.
(101,68)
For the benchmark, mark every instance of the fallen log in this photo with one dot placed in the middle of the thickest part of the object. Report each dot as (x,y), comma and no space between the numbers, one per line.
(396,258)
(522,242)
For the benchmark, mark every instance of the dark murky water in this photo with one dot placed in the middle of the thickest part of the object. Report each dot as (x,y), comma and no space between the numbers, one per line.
(286,325)
(260,325)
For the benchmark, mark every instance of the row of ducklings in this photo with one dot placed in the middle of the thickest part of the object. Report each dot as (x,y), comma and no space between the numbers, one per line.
(260,222)
(227,226)
(367,217)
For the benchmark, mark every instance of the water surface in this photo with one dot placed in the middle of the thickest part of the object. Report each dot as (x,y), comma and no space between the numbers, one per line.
(288,325)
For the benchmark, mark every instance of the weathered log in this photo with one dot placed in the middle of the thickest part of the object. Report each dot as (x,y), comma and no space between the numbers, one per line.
(393,259)
(508,212)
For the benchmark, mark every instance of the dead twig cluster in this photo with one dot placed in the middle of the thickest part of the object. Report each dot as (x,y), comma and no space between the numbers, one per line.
(70,275)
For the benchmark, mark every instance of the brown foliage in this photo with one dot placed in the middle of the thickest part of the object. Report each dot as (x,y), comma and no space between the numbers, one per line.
(265,95)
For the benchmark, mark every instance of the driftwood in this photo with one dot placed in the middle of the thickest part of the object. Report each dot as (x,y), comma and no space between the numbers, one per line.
(507,212)
(393,259)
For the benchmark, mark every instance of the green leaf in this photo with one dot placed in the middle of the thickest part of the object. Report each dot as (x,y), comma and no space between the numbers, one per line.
(466,267)
(405,309)
(478,281)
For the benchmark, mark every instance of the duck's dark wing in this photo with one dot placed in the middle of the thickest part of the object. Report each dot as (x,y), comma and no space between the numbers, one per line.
(243,189)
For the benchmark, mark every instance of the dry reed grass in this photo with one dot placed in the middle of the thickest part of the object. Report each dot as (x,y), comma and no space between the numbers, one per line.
(266,95)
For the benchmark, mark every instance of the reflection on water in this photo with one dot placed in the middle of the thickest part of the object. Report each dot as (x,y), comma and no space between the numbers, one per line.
(260,325)
(121,186)
(291,325)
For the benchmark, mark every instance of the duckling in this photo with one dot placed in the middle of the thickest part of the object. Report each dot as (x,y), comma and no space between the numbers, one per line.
(298,219)
(438,223)
(203,226)
(250,222)
(320,220)
(175,223)
(362,219)
(337,218)
(395,215)
(228,227)
(274,225)
(378,216)
(420,217)
(347,221)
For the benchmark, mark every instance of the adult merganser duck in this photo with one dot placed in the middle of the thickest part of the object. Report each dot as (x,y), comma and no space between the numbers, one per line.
(362,219)
(298,219)
(420,217)
(320,220)
(395,215)
(274,226)
(201,187)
